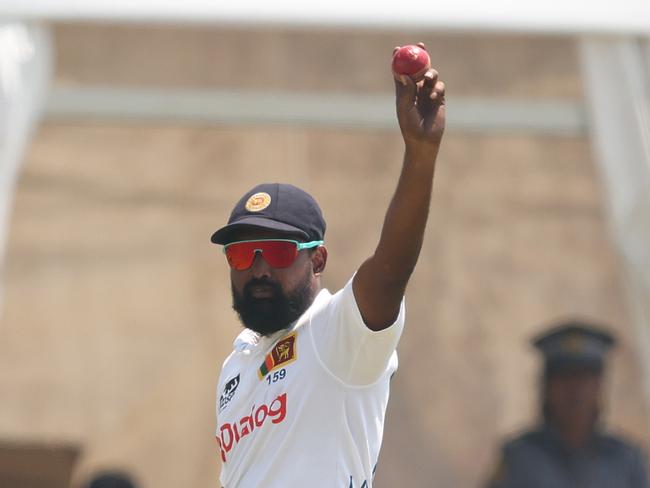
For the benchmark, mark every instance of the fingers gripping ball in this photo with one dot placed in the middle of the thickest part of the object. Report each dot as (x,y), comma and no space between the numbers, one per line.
(411,60)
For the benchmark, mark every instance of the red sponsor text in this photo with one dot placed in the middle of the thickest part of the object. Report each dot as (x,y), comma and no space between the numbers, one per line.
(230,434)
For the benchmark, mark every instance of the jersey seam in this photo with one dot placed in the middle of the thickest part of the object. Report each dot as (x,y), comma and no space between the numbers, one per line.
(330,372)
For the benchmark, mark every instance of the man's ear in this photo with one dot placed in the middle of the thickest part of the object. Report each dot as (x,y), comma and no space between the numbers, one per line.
(319,259)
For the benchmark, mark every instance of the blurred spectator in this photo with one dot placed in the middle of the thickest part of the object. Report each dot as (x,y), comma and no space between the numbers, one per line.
(111,479)
(570,449)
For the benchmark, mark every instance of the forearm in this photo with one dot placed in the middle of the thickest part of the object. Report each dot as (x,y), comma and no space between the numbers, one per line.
(381,280)
(403,230)
(421,115)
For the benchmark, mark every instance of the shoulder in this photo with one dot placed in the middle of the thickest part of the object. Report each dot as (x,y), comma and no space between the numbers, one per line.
(523,441)
(322,302)
(520,456)
(330,307)
(515,459)
(527,447)
(228,367)
(619,445)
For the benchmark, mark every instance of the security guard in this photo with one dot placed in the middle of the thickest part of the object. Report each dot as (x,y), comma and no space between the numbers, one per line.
(569,449)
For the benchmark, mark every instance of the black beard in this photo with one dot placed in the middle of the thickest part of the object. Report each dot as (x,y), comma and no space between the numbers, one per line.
(268,315)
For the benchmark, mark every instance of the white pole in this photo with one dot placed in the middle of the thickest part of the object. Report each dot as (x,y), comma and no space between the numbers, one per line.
(25,67)
(617,77)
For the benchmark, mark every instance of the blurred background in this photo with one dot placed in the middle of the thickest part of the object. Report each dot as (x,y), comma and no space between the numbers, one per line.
(127,134)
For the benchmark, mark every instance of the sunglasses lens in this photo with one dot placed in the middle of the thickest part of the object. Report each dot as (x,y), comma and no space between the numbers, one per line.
(279,254)
(240,255)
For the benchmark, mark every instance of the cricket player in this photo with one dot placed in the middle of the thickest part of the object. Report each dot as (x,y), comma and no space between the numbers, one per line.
(301,399)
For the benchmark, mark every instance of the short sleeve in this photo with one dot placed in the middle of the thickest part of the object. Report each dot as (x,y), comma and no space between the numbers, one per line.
(352,352)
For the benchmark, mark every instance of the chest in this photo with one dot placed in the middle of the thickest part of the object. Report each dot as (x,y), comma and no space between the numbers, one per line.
(589,470)
(264,389)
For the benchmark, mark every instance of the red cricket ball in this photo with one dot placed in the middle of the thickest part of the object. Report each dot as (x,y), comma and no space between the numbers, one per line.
(412,61)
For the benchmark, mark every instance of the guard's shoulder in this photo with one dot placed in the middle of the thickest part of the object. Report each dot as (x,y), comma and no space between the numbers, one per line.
(618,444)
(513,453)
(522,441)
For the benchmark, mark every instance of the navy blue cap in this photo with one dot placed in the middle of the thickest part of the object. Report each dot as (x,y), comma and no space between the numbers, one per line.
(574,344)
(275,206)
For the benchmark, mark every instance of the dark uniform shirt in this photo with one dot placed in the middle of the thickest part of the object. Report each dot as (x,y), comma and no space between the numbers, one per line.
(540,459)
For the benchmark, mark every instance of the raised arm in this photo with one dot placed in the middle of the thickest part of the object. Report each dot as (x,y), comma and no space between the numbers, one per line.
(380,282)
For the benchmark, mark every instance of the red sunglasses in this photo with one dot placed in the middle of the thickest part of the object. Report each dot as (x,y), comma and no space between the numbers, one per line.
(279,253)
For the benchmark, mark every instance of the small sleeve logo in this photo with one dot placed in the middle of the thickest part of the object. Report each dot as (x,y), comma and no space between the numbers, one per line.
(258,202)
(228,392)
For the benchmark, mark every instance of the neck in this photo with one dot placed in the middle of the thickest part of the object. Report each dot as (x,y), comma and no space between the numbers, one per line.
(576,433)
(316,287)
(577,438)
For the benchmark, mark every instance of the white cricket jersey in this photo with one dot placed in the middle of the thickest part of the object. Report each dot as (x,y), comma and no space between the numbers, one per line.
(306,406)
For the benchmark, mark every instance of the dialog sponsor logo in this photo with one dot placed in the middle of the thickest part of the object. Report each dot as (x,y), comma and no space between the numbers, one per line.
(230,434)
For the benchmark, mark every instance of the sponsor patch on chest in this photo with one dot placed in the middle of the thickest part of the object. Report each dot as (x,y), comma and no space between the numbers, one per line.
(232,433)
(283,353)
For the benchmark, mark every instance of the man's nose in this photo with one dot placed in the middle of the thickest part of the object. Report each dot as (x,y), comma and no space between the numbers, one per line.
(260,268)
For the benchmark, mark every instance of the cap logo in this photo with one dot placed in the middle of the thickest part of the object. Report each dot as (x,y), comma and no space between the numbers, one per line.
(258,202)
(574,344)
